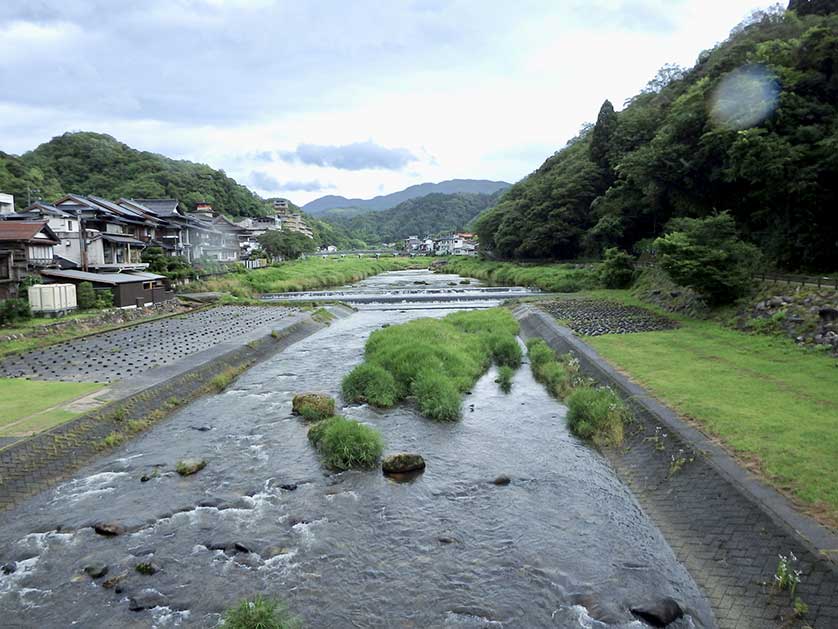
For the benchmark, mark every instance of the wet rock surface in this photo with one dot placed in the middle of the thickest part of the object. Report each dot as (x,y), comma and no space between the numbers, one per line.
(402,463)
(188,467)
(592,317)
(660,613)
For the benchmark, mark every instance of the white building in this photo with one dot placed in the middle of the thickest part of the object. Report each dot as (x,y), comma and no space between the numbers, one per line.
(7,203)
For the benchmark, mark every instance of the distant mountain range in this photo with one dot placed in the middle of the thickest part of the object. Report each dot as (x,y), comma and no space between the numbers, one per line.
(353,207)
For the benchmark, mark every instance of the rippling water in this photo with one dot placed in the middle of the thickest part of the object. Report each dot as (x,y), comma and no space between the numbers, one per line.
(564,545)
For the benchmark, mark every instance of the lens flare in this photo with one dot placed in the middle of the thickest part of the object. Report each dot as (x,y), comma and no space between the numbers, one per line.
(745,97)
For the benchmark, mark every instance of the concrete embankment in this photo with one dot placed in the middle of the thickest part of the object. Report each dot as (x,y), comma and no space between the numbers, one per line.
(725,525)
(35,463)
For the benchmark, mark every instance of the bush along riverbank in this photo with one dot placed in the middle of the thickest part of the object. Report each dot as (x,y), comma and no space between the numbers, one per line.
(594,413)
(346,444)
(302,275)
(554,278)
(433,361)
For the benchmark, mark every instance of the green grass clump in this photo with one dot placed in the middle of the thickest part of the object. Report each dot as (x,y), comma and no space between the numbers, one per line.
(436,395)
(559,374)
(259,613)
(597,414)
(434,360)
(370,383)
(505,374)
(313,406)
(558,278)
(346,444)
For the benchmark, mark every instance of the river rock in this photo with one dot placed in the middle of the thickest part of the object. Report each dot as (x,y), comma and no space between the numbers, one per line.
(9,568)
(274,551)
(289,486)
(660,613)
(501,480)
(187,467)
(112,583)
(96,570)
(402,463)
(313,406)
(146,599)
(109,529)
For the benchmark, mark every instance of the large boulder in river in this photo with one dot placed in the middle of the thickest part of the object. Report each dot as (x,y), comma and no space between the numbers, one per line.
(187,467)
(660,613)
(402,463)
(313,406)
(109,529)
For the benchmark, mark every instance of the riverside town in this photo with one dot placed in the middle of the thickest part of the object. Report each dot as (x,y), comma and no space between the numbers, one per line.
(419,315)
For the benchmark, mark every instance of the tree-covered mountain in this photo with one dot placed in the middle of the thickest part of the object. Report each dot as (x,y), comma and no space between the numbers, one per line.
(752,129)
(431,214)
(93,163)
(332,205)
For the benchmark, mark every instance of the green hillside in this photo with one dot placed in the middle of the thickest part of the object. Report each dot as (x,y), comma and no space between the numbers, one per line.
(93,163)
(432,214)
(751,128)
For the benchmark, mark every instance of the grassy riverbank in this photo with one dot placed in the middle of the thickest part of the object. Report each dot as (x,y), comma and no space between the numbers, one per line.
(308,274)
(775,405)
(554,278)
(28,406)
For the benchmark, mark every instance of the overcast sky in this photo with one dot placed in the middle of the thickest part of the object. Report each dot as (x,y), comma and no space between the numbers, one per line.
(305,98)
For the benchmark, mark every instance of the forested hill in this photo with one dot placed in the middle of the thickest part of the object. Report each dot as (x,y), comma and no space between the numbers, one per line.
(428,215)
(751,128)
(93,163)
(323,205)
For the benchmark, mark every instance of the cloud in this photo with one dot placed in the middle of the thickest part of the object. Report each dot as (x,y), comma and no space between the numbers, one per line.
(355,156)
(264,181)
(307,186)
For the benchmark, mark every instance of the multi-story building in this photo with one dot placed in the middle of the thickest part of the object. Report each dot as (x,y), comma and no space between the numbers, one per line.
(291,221)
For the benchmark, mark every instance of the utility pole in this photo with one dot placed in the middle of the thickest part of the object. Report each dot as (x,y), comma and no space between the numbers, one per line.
(29,192)
(82,242)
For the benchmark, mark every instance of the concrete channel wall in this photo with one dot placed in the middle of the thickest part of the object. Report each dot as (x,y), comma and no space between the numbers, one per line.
(38,462)
(725,525)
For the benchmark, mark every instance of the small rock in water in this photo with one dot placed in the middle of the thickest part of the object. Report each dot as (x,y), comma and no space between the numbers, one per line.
(9,568)
(274,551)
(146,600)
(241,548)
(140,551)
(147,568)
(96,570)
(295,520)
(660,613)
(446,540)
(201,428)
(289,486)
(109,529)
(402,463)
(210,502)
(187,467)
(111,583)
(503,479)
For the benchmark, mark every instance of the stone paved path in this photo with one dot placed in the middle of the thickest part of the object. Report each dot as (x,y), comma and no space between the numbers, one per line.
(124,353)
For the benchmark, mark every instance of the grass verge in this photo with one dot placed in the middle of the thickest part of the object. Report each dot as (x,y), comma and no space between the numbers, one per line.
(433,360)
(775,405)
(28,406)
(346,444)
(555,278)
(259,613)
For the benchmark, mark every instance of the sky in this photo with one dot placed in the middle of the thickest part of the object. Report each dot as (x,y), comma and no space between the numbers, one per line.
(305,98)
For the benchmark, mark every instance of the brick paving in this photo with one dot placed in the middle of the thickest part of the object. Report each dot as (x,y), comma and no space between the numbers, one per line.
(723,536)
(123,353)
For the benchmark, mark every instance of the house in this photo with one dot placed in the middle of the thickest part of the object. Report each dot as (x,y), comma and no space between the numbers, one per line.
(233,237)
(7,203)
(459,244)
(291,221)
(131,289)
(411,244)
(168,232)
(25,247)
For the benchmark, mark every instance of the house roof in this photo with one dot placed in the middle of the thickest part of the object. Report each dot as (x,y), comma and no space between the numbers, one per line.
(162,207)
(102,278)
(13,231)
(122,238)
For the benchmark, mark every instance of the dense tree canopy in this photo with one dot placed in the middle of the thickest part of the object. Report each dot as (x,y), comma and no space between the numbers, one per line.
(92,163)
(751,129)
(432,214)
(286,244)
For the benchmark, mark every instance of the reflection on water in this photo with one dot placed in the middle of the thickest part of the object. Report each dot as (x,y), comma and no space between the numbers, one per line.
(563,545)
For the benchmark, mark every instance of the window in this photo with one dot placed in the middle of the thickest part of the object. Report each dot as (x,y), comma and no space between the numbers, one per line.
(5,266)
(148,285)
(69,225)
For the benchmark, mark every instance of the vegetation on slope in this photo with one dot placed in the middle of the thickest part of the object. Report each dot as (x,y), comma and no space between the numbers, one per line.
(93,163)
(689,146)
(558,278)
(433,360)
(428,215)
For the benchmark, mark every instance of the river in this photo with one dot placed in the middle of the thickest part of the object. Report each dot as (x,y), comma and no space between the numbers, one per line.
(565,544)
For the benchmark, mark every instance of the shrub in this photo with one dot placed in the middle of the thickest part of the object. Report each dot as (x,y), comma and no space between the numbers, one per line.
(313,406)
(259,613)
(505,374)
(617,270)
(13,310)
(371,383)
(104,299)
(539,353)
(597,414)
(85,296)
(346,444)
(505,350)
(436,396)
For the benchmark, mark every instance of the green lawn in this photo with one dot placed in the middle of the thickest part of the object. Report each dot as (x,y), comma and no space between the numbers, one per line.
(771,402)
(28,406)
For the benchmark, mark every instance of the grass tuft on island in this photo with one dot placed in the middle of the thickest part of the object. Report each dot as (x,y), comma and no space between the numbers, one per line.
(594,413)
(554,278)
(259,613)
(433,360)
(346,444)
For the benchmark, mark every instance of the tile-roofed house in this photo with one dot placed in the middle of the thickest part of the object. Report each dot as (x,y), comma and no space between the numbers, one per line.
(25,246)
(130,289)
(161,207)
(168,229)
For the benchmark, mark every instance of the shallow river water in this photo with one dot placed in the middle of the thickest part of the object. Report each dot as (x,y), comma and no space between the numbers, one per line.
(563,545)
